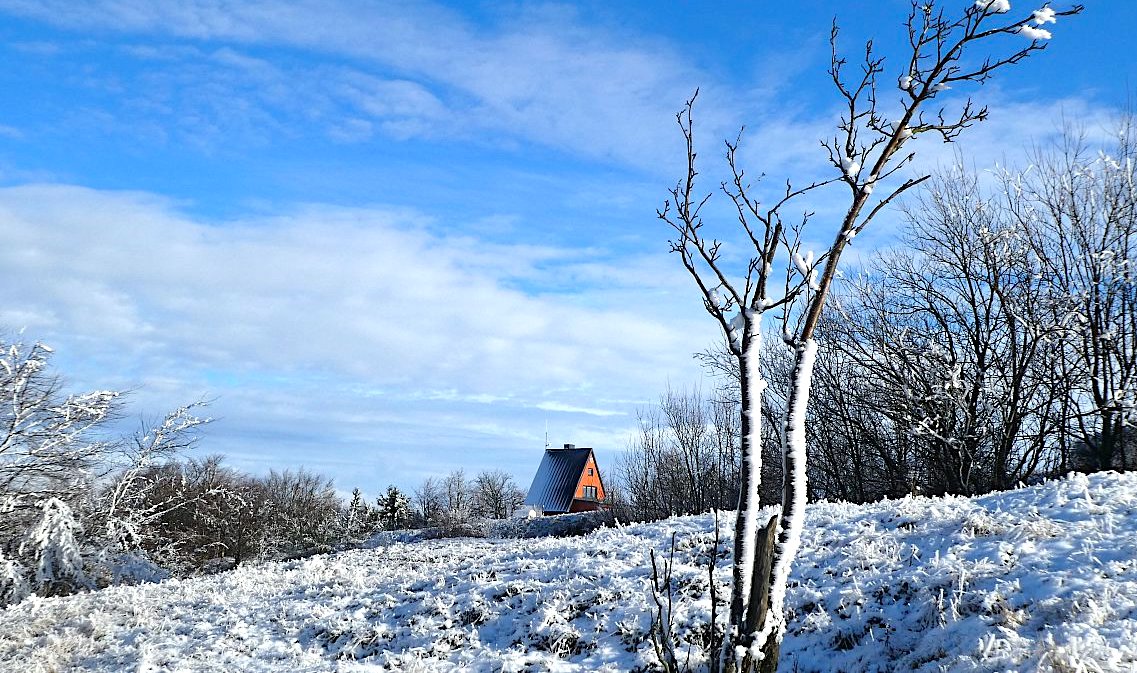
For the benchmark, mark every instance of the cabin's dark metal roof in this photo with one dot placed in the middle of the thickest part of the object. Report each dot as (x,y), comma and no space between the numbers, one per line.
(554,485)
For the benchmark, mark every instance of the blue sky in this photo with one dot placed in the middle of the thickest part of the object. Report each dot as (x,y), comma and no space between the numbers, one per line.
(394,239)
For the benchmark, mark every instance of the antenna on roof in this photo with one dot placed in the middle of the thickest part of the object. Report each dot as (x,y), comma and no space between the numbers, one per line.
(546,434)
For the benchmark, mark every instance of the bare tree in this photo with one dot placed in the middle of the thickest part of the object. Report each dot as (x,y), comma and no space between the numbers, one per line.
(1080,209)
(201,511)
(946,345)
(48,445)
(429,503)
(970,279)
(868,150)
(684,459)
(51,450)
(496,495)
(303,511)
(647,496)
(458,494)
(65,479)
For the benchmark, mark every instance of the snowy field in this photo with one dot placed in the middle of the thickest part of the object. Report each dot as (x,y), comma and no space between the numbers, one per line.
(1040,579)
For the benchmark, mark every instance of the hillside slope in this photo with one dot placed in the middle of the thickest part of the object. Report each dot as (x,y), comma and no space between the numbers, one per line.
(1043,578)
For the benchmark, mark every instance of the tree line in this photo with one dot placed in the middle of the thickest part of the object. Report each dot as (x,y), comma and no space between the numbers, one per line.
(994,345)
(81,508)
(452,503)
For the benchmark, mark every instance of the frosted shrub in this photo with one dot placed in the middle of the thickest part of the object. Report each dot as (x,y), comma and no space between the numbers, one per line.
(13,586)
(54,551)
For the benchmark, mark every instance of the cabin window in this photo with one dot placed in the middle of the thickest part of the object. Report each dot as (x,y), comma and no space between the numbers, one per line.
(590,492)
(590,471)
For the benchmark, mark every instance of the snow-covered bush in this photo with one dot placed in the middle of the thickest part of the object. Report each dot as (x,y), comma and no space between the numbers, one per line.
(49,441)
(113,569)
(14,585)
(53,549)
(63,526)
(301,513)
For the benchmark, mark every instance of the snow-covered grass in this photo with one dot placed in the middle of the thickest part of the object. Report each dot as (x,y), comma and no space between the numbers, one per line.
(1040,579)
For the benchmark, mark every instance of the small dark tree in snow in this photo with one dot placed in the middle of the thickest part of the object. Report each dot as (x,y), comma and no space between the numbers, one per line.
(394,509)
(867,151)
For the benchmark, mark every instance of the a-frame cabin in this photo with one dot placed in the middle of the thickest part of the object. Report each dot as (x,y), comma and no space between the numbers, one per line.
(568,480)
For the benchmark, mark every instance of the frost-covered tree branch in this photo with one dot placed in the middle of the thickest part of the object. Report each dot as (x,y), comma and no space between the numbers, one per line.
(129,504)
(47,440)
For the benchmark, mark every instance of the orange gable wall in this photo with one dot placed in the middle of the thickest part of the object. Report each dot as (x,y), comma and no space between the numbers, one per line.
(594,480)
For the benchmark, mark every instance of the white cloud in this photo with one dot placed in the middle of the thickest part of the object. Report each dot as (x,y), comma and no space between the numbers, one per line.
(572,409)
(288,318)
(362,291)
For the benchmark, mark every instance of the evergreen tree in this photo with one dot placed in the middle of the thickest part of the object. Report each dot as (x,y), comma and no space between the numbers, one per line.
(394,508)
(358,516)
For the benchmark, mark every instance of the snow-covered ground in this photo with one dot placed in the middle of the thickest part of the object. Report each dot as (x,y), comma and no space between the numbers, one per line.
(1040,579)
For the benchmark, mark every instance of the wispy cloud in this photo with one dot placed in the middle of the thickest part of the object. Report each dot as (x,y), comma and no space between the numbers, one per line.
(572,409)
(362,291)
(409,70)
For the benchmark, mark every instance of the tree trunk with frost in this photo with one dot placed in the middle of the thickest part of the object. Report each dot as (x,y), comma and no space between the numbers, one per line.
(753,551)
(738,297)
